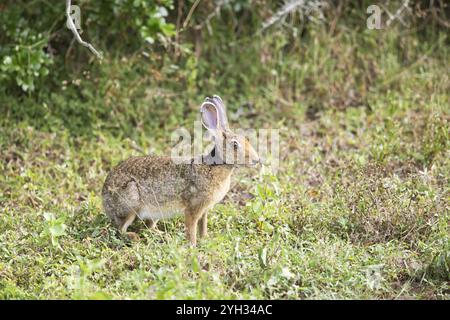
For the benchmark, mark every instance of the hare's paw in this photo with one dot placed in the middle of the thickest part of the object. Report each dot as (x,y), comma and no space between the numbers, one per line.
(151,224)
(133,236)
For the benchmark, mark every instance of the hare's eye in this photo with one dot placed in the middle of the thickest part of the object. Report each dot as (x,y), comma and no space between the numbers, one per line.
(235,144)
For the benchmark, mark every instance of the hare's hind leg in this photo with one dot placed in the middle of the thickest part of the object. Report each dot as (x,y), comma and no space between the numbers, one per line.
(125,223)
(204,225)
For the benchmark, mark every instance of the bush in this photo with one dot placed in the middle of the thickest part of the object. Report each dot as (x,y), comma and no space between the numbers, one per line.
(34,35)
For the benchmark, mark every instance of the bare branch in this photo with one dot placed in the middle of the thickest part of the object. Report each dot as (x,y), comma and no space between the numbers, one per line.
(77,35)
(191,12)
(304,7)
(216,11)
(397,14)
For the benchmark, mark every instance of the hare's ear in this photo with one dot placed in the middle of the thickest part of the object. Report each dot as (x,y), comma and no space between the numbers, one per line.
(218,103)
(210,116)
(223,119)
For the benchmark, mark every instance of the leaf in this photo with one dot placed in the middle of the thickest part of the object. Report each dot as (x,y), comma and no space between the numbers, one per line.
(267,227)
(48,216)
(162,12)
(168,29)
(286,273)
(7,60)
(263,257)
(195,265)
(24,87)
(272,281)
(58,230)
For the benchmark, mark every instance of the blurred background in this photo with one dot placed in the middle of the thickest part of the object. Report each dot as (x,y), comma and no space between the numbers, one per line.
(163,57)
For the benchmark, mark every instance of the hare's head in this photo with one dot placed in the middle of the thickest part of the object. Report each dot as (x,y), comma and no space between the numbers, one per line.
(230,148)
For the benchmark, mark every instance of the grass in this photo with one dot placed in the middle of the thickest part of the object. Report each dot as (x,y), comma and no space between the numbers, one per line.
(358,209)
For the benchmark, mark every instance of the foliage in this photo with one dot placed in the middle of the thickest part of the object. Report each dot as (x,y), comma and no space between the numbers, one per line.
(23,62)
(55,227)
(35,32)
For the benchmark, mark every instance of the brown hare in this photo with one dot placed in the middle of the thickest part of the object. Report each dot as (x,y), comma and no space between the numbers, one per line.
(153,187)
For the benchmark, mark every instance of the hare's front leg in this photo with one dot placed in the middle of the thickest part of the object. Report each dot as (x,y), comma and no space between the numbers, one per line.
(204,225)
(191,218)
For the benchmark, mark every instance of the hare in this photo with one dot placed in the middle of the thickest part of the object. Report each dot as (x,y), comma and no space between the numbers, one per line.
(153,187)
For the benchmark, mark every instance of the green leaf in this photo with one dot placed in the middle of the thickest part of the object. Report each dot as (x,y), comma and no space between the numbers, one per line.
(168,29)
(48,216)
(195,264)
(58,230)
(263,257)
(7,60)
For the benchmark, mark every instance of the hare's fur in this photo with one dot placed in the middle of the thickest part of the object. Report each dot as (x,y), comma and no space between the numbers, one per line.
(153,188)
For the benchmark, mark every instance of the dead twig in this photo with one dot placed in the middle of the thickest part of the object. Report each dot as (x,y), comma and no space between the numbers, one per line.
(212,15)
(191,12)
(76,34)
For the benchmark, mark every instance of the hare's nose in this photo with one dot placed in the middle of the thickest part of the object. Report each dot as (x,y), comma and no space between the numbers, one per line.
(256,161)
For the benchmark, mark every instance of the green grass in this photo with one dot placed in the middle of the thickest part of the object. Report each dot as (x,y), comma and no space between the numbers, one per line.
(363,183)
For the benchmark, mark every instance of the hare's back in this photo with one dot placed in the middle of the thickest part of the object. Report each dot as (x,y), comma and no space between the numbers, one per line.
(156,180)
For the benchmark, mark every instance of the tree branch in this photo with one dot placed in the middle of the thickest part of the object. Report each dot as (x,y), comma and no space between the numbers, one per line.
(77,35)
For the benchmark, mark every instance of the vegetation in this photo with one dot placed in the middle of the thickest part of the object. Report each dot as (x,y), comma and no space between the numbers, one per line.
(359,207)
